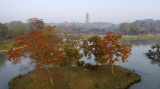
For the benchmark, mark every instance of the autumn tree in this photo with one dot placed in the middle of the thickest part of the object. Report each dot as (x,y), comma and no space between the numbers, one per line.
(113,50)
(42,45)
(92,46)
(71,51)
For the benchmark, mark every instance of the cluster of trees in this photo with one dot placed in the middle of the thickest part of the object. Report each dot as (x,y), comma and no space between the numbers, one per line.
(49,51)
(140,27)
(135,28)
(76,27)
(3,30)
(14,29)
(107,49)
(86,25)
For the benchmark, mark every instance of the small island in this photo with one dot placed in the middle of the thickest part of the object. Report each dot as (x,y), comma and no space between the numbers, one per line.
(54,57)
(152,54)
(82,78)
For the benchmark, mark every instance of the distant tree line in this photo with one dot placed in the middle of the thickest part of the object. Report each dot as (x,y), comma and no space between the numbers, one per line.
(140,27)
(14,29)
(76,27)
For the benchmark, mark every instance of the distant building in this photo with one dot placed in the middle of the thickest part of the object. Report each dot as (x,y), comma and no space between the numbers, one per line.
(87,18)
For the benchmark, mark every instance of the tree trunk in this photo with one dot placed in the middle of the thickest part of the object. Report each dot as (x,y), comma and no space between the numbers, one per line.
(112,68)
(69,75)
(13,40)
(50,77)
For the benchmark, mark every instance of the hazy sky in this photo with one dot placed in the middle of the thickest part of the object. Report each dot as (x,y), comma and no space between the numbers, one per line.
(114,11)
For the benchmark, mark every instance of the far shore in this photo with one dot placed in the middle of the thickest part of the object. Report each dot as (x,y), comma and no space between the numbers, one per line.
(5,46)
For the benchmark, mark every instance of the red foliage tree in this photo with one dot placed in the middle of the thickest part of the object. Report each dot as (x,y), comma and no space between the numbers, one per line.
(43,45)
(113,50)
(107,49)
(92,46)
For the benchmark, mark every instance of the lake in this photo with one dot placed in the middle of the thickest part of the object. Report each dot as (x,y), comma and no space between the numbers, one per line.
(147,68)
(9,71)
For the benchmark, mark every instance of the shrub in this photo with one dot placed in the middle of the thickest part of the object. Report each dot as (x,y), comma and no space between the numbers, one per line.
(15,45)
(91,67)
(63,64)
(80,63)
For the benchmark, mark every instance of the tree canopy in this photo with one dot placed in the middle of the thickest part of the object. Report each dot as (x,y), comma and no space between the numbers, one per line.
(41,45)
(106,50)
(34,24)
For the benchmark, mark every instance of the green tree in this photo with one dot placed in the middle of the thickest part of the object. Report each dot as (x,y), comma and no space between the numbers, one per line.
(34,24)
(125,27)
(71,53)
(0,32)
(13,33)
(145,25)
(135,29)
(157,26)
(4,29)
(18,25)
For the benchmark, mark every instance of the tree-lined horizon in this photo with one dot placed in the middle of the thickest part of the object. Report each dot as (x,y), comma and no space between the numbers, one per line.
(14,29)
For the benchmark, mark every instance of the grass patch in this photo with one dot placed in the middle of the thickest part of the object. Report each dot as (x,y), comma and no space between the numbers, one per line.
(80,79)
(6,45)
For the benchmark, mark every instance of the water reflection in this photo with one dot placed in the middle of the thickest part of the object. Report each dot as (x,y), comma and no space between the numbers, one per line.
(9,70)
(148,69)
(3,57)
(154,62)
(140,42)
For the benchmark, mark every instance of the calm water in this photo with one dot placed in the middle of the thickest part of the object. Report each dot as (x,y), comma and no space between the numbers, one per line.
(147,68)
(9,71)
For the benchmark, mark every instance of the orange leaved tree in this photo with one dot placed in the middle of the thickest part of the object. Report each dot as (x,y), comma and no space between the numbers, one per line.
(92,46)
(113,50)
(43,45)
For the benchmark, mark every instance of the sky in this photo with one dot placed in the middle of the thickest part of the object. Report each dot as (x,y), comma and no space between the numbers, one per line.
(113,11)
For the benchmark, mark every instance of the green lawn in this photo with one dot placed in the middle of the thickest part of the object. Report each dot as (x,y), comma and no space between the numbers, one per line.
(6,45)
(80,79)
